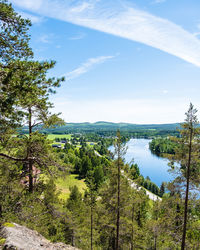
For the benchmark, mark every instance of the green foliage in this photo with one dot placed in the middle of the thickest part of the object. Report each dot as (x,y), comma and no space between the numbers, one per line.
(76,219)
(110,214)
(14,41)
(14,37)
(33,106)
(187,155)
(98,176)
(188,143)
(162,189)
(160,146)
(37,210)
(133,214)
(85,166)
(74,199)
(134,171)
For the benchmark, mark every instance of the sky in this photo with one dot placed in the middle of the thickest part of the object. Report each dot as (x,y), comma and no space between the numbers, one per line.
(135,61)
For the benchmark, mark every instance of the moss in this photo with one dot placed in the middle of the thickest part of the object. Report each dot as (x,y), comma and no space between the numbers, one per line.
(2,241)
(8,224)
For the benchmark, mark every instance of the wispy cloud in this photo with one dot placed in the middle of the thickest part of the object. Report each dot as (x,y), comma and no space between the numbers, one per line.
(197,33)
(122,20)
(34,19)
(158,1)
(165,91)
(86,66)
(78,36)
(29,4)
(81,7)
(46,38)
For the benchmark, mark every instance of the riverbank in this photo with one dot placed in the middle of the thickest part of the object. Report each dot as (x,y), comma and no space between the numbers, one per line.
(156,168)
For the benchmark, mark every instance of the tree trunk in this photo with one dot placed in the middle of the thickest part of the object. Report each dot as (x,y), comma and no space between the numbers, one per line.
(30,162)
(118,203)
(73,238)
(30,176)
(187,191)
(132,230)
(91,228)
(0,211)
(155,242)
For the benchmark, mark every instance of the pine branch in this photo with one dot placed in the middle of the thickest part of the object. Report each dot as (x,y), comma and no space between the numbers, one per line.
(13,158)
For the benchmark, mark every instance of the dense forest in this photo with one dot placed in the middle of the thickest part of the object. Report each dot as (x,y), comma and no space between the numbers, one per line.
(162,146)
(113,210)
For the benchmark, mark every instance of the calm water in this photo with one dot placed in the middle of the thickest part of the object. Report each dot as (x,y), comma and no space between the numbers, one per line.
(149,164)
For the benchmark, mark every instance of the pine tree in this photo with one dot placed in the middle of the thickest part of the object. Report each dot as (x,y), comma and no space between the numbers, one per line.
(33,107)
(187,155)
(120,150)
(162,189)
(14,46)
(114,199)
(75,216)
(14,36)
(91,198)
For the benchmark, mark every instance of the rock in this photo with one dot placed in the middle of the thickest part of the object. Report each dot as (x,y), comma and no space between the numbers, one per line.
(21,238)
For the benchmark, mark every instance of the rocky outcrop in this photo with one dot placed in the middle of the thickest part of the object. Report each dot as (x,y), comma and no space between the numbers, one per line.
(14,236)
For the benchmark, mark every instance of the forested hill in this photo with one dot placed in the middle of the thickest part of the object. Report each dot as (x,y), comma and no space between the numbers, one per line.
(109,126)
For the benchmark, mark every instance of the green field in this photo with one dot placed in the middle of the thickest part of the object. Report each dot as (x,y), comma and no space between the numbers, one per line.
(63,185)
(53,136)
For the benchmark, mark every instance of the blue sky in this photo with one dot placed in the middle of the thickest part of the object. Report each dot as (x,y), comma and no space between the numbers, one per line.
(135,61)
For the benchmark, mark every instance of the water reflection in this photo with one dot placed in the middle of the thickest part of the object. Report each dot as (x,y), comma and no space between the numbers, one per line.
(150,165)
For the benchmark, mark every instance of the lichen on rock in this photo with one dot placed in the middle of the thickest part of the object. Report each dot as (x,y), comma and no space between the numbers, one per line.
(21,238)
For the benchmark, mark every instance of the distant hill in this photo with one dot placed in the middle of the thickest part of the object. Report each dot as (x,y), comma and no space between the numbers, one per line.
(102,126)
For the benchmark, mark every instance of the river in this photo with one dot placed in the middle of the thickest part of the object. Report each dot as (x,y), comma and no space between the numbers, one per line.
(150,165)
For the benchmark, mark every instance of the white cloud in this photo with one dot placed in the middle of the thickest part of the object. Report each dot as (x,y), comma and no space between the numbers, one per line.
(165,91)
(80,8)
(34,19)
(197,33)
(122,20)
(46,38)
(86,66)
(29,4)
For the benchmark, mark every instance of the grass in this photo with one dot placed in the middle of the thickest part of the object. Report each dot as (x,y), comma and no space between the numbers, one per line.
(53,136)
(64,184)
(151,203)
